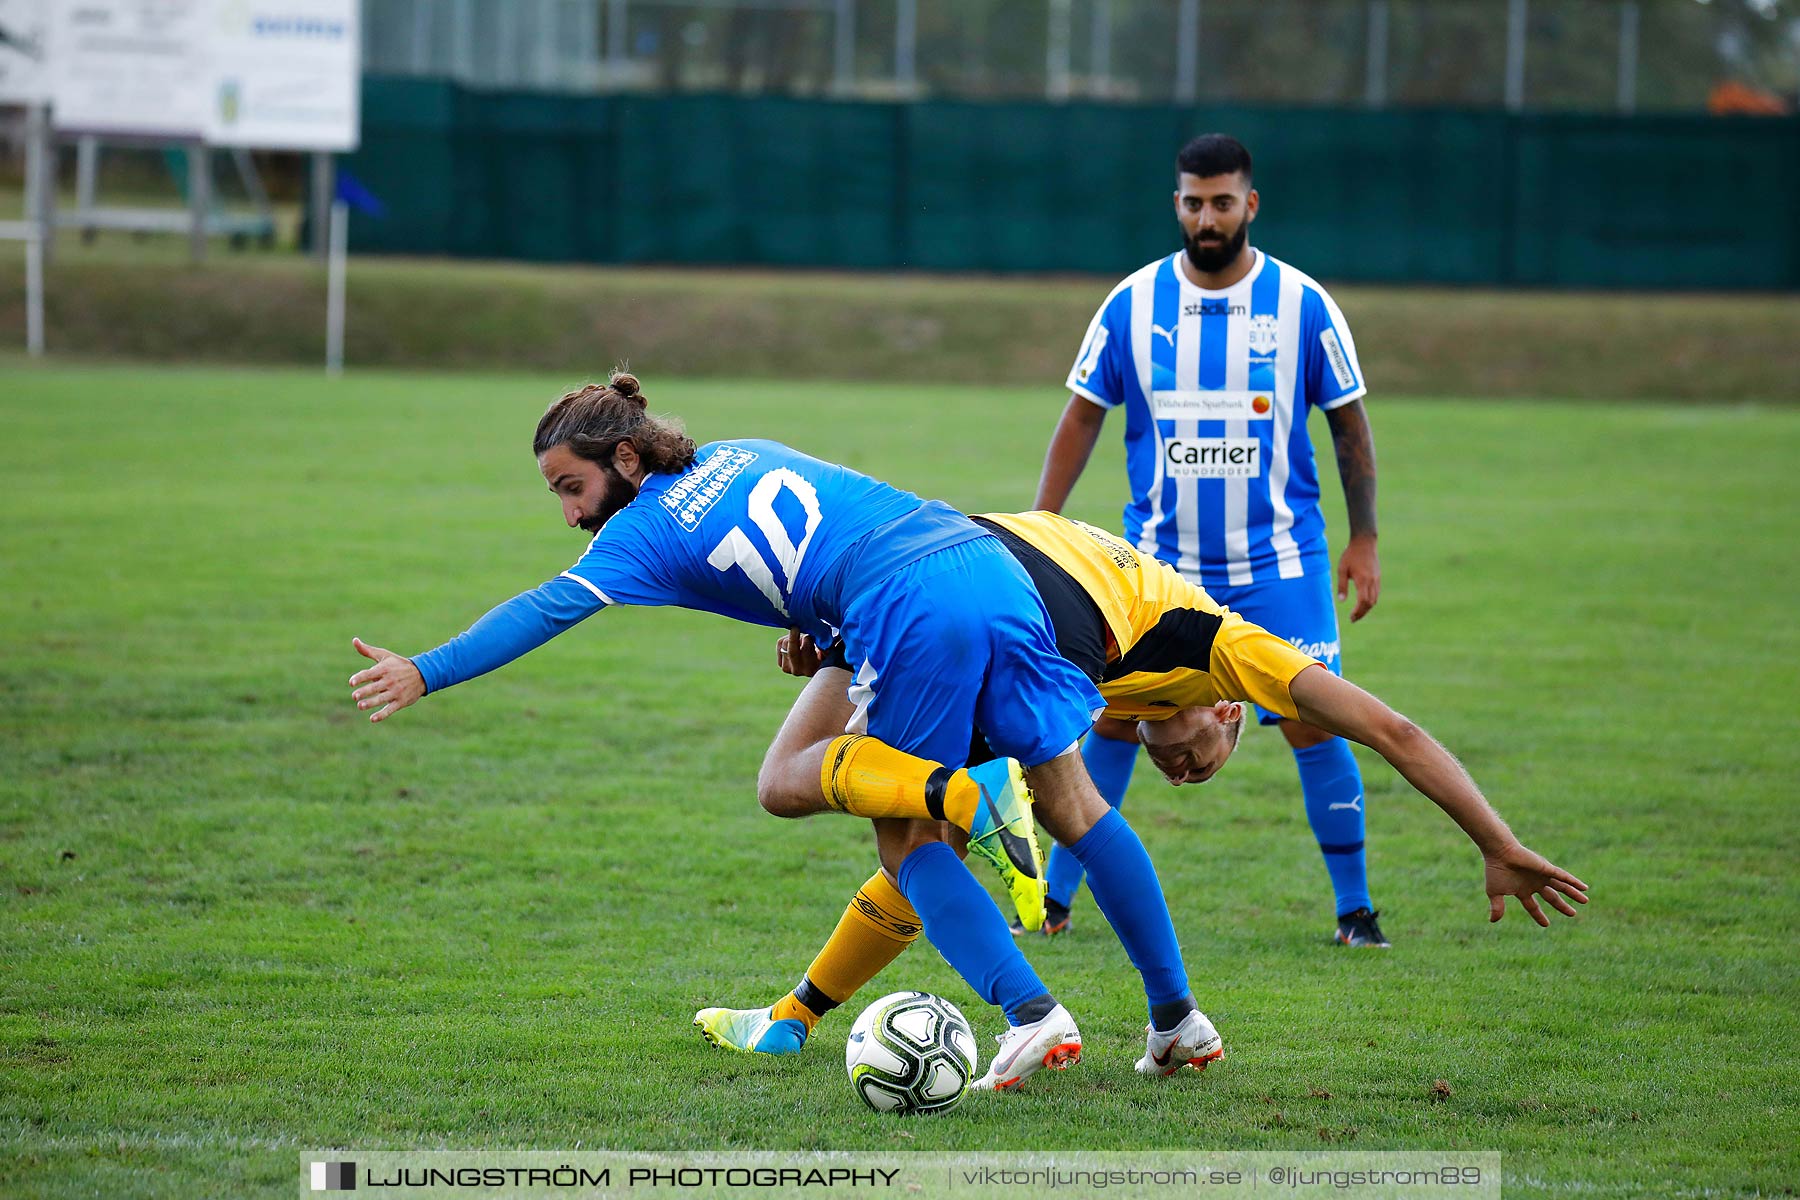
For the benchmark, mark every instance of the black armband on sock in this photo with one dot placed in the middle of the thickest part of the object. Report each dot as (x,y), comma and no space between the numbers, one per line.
(935,787)
(817,1002)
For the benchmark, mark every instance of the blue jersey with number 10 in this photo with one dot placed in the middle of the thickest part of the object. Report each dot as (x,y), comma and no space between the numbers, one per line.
(753,530)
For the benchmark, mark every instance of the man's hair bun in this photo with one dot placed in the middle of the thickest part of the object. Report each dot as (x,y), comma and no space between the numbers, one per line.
(627,386)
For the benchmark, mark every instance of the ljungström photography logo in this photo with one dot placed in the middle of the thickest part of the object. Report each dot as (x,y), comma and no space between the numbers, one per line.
(334,1177)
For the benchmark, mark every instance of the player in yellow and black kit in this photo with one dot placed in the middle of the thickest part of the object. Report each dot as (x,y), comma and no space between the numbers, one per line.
(1164,654)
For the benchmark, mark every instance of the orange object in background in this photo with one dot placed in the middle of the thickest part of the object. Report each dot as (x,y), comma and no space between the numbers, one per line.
(1732,97)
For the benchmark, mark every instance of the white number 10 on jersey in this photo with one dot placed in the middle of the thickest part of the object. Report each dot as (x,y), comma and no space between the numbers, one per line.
(736,550)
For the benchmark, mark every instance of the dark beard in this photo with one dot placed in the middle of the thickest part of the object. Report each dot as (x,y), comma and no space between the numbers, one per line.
(1218,255)
(619,492)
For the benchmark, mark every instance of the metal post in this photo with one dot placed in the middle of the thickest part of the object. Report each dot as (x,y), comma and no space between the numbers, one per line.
(44,195)
(1628,56)
(587,36)
(1375,87)
(544,56)
(324,188)
(462,41)
(906,44)
(843,46)
(199,200)
(1057,51)
(1187,53)
(34,290)
(87,171)
(334,288)
(617,30)
(419,56)
(1516,12)
(506,46)
(252,180)
(1100,37)
(37,223)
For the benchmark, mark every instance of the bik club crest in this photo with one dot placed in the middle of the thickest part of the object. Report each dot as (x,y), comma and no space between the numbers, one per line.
(1265,331)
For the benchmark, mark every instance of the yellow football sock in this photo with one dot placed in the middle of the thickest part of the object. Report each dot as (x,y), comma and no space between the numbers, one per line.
(867,778)
(875,928)
(789,1008)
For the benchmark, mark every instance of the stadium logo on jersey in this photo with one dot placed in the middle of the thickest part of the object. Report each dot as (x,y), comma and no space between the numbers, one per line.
(1212,458)
(1213,308)
(1089,362)
(1265,332)
(1178,405)
(1340,365)
(700,489)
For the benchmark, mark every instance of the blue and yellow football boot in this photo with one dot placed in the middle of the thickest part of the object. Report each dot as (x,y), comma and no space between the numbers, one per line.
(1003,832)
(751,1030)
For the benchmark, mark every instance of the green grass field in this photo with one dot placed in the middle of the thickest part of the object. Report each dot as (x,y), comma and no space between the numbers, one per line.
(239,922)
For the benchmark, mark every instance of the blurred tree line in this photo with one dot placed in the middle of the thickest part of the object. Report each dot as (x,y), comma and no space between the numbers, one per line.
(1434,52)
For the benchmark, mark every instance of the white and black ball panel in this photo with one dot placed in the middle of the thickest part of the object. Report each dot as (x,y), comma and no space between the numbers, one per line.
(941,1081)
(917,1024)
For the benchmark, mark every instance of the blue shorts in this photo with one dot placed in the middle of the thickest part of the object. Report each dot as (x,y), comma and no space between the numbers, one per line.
(1298,611)
(960,640)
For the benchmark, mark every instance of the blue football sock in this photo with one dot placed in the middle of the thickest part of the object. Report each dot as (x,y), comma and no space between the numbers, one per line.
(1109,763)
(1125,888)
(1334,805)
(960,919)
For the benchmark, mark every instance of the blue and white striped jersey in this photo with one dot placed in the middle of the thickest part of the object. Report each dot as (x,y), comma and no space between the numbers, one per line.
(1217,387)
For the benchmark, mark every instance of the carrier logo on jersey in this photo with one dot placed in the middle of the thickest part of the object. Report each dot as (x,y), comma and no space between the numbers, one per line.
(1089,362)
(1212,458)
(701,488)
(1334,353)
(1265,332)
(1173,405)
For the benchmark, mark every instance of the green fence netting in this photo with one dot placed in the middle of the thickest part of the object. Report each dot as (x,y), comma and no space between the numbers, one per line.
(1460,197)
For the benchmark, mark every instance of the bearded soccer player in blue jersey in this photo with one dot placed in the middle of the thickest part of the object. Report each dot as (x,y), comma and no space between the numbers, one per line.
(1218,353)
(945,631)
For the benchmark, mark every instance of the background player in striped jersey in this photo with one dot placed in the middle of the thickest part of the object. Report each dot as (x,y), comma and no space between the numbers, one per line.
(1218,353)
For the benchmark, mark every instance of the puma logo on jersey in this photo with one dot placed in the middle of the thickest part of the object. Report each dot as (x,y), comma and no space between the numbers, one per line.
(1168,333)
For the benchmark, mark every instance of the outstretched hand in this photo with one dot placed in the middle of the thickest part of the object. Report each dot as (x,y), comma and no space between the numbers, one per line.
(1516,871)
(393,682)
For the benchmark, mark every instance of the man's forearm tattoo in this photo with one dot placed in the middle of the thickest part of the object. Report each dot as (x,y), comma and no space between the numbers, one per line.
(1355,445)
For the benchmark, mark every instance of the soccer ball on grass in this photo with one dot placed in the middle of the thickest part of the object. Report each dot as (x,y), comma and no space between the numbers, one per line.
(911,1052)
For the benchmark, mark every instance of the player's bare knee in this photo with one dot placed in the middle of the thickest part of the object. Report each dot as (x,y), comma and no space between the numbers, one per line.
(897,839)
(776,792)
(1067,804)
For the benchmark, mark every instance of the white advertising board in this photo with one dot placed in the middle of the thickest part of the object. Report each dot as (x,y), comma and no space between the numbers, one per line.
(269,74)
(286,74)
(135,67)
(24,38)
